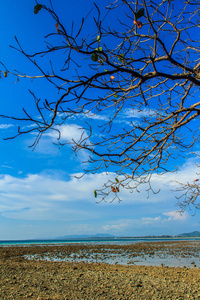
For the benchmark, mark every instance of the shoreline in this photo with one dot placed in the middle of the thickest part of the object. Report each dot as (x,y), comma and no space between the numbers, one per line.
(39,279)
(93,240)
(168,253)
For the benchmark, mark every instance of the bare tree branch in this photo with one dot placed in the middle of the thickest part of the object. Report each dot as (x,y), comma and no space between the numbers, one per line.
(147,64)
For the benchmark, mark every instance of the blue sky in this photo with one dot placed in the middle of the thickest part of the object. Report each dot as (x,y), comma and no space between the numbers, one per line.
(39,195)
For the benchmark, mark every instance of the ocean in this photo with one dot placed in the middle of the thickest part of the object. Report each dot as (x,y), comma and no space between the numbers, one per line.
(118,241)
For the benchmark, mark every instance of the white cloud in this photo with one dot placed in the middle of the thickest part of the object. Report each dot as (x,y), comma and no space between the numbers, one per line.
(176,216)
(93,116)
(137,114)
(147,221)
(86,115)
(6,126)
(132,116)
(170,180)
(117,227)
(40,196)
(67,133)
(148,225)
(128,113)
(4,166)
(45,197)
(36,196)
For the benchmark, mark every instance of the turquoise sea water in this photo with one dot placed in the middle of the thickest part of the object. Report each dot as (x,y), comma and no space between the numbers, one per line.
(118,241)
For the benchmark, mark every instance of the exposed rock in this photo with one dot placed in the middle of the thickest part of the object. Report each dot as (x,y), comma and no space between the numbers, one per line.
(36,279)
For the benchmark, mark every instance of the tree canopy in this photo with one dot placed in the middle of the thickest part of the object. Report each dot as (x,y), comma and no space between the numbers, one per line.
(145,64)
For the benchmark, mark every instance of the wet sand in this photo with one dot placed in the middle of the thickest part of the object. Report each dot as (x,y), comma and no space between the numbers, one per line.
(23,278)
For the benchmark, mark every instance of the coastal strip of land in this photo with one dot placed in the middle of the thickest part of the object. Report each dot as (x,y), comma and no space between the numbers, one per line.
(23,277)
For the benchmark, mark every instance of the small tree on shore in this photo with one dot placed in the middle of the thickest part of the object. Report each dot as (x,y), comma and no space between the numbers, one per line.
(146,65)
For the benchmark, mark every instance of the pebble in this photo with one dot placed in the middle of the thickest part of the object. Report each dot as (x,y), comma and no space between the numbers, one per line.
(22,278)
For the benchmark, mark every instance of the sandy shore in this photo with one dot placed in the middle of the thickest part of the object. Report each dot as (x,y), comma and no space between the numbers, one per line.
(21,278)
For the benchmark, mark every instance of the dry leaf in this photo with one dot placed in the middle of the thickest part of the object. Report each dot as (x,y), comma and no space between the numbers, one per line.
(111,78)
(138,24)
(113,189)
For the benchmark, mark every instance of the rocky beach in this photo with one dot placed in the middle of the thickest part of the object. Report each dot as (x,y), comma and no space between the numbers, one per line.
(63,272)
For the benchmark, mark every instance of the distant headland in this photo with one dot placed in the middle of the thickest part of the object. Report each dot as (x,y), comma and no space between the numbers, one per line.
(108,236)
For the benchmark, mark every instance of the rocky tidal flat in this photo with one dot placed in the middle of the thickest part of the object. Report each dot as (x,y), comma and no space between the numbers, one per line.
(77,271)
